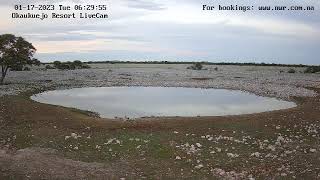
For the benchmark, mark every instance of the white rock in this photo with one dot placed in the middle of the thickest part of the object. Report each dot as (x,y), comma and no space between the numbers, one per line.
(313,150)
(271,147)
(256,154)
(199,166)
(178,158)
(231,155)
(283,174)
(74,135)
(198,145)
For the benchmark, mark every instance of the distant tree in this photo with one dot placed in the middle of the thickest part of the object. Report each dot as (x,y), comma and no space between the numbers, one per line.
(80,65)
(77,63)
(56,64)
(26,69)
(85,66)
(63,66)
(312,69)
(17,67)
(70,65)
(36,62)
(196,66)
(15,52)
(49,67)
(292,71)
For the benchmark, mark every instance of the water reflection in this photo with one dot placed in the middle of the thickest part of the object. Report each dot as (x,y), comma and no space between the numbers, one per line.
(136,102)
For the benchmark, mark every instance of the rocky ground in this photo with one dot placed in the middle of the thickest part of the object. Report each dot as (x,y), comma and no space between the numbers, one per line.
(266,81)
(48,142)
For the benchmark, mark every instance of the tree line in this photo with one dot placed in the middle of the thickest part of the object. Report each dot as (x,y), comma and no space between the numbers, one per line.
(202,62)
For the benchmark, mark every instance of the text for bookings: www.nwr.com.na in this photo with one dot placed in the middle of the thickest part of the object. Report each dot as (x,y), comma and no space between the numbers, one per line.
(259,8)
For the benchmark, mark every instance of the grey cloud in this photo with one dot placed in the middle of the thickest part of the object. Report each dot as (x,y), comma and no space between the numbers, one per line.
(61,34)
(24,2)
(59,37)
(145,4)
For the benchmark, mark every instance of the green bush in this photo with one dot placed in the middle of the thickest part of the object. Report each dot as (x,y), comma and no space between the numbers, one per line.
(70,65)
(65,66)
(85,66)
(49,67)
(312,69)
(56,64)
(77,63)
(26,69)
(292,71)
(20,68)
(196,66)
(17,68)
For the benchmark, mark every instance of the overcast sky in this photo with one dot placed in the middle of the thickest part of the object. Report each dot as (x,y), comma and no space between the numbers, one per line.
(174,30)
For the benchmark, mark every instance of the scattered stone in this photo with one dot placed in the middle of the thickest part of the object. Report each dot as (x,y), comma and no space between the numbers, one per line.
(199,166)
(256,154)
(313,150)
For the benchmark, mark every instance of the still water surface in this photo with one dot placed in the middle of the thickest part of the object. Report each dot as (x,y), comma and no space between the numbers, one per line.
(135,102)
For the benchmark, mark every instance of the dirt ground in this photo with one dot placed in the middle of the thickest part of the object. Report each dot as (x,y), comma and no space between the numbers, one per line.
(39,141)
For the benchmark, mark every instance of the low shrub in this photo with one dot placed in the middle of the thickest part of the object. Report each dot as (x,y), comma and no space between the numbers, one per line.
(196,66)
(56,64)
(312,69)
(85,66)
(66,66)
(70,65)
(20,68)
(77,63)
(292,71)
(26,69)
(49,67)
(17,68)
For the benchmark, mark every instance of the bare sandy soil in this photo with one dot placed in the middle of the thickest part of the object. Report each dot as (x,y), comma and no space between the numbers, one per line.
(41,141)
